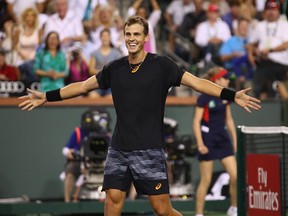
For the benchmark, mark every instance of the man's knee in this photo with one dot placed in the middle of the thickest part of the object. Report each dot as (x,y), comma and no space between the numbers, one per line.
(161,205)
(114,198)
(166,211)
(161,211)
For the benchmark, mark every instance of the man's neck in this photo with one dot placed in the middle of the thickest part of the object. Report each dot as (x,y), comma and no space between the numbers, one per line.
(212,22)
(272,20)
(137,57)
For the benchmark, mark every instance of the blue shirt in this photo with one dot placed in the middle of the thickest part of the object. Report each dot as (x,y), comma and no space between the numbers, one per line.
(234,44)
(73,142)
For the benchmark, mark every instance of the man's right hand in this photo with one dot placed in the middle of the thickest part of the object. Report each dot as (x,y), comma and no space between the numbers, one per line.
(32,100)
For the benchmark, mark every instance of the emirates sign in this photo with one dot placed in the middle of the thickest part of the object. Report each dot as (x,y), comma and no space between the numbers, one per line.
(263,185)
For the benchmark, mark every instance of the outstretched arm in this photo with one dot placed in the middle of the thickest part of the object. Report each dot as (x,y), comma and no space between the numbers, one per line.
(37,98)
(205,86)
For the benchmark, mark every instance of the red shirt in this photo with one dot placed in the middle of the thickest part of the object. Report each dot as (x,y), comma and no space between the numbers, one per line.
(10,72)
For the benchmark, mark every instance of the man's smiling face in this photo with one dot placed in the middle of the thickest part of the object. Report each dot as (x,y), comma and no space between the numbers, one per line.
(135,38)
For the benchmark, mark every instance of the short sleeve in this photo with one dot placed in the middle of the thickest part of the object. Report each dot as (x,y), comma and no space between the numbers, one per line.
(173,72)
(225,48)
(202,101)
(103,78)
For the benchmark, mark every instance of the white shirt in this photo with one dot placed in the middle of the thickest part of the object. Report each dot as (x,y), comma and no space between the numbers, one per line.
(178,10)
(260,5)
(205,31)
(20,5)
(79,6)
(271,35)
(70,26)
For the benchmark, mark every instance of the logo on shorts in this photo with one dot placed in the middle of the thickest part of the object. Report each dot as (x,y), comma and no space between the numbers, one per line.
(158,186)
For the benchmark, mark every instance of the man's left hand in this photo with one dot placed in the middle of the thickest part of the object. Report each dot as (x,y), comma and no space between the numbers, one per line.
(246,101)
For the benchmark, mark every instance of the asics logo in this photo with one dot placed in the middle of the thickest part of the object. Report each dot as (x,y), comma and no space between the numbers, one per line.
(158,186)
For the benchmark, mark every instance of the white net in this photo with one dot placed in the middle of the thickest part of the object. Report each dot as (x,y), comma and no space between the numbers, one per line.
(264,130)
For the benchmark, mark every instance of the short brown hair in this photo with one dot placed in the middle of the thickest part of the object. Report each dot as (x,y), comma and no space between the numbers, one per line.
(137,20)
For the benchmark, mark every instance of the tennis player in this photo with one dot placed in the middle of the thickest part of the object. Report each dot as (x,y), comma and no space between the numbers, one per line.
(139,84)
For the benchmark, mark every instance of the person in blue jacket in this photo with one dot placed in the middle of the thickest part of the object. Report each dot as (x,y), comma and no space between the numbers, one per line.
(73,161)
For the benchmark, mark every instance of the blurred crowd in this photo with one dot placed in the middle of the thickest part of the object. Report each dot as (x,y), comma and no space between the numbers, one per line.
(46,44)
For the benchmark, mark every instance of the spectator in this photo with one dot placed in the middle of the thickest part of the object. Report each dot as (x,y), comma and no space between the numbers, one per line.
(7,72)
(232,16)
(212,116)
(68,26)
(9,43)
(104,18)
(211,34)
(259,6)
(83,9)
(27,41)
(233,53)
(102,56)
(3,17)
(153,19)
(222,5)
(174,16)
(50,64)
(188,27)
(268,51)
(78,67)
(28,35)
(191,20)
(16,7)
(248,12)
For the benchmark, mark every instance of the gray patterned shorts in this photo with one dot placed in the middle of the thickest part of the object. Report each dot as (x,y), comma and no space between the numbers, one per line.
(145,168)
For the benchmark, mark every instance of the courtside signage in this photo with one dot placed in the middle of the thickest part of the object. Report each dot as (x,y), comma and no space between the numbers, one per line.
(263,185)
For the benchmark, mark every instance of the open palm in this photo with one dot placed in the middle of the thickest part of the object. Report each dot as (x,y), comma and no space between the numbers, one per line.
(246,101)
(32,100)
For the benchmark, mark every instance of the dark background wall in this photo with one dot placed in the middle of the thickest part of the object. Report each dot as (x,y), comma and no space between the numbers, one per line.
(31,143)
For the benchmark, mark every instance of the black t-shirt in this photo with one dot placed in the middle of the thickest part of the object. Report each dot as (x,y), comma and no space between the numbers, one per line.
(139,99)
